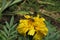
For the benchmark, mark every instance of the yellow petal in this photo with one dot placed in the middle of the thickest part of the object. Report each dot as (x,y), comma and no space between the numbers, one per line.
(23,31)
(38,36)
(44,31)
(23,21)
(20,25)
(31,32)
(42,19)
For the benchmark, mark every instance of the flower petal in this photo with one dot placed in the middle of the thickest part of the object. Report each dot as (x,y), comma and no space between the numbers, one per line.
(38,36)
(31,32)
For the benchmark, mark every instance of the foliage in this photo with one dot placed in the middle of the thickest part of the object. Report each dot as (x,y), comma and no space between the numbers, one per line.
(22,7)
(8,32)
(53,34)
(29,5)
(5,4)
(34,5)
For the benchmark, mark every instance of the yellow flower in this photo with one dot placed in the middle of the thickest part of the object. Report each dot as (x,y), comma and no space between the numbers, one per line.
(31,31)
(33,26)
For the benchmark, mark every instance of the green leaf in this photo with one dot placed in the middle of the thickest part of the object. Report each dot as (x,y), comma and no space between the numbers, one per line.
(11,21)
(3,3)
(2,6)
(15,1)
(3,33)
(20,37)
(53,33)
(12,33)
(6,30)
(7,25)
(5,6)
(22,12)
(13,36)
(13,27)
(3,38)
(9,33)
(42,2)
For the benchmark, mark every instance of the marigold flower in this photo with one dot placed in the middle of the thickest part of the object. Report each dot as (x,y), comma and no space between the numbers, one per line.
(33,26)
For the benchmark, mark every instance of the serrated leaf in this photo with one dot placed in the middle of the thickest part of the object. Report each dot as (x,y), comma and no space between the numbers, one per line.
(7,25)
(13,36)
(6,30)
(12,33)
(3,38)
(11,21)
(13,27)
(3,33)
